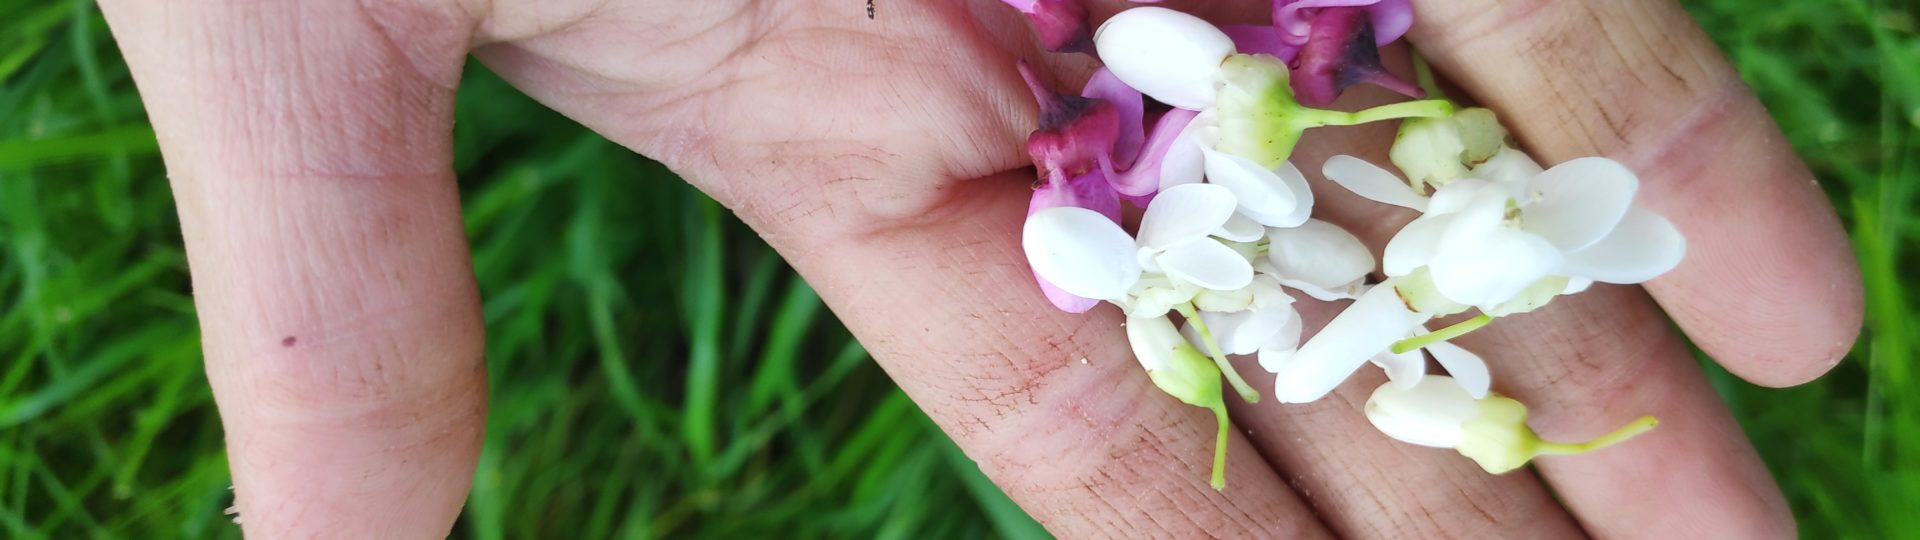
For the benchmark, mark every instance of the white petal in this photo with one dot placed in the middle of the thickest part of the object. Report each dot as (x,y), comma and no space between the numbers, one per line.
(1207,263)
(1233,301)
(1465,367)
(1184,163)
(1455,196)
(1320,254)
(1483,262)
(1281,348)
(1168,55)
(1154,295)
(1430,413)
(1080,251)
(1576,284)
(1247,331)
(1374,321)
(1509,167)
(1185,213)
(1644,246)
(1576,203)
(1404,369)
(1370,181)
(1302,194)
(1263,195)
(1415,244)
(1153,340)
(1240,228)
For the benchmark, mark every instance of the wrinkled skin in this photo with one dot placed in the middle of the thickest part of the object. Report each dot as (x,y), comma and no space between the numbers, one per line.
(308,147)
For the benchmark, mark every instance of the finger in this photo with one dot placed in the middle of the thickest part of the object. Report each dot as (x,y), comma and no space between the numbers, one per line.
(1769,286)
(1052,405)
(308,146)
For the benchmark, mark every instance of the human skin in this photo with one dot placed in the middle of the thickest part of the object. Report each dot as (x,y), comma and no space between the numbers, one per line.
(308,145)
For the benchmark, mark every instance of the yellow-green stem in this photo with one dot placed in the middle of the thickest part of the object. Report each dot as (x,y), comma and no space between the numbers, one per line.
(1634,428)
(1423,75)
(1421,341)
(1220,448)
(1425,108)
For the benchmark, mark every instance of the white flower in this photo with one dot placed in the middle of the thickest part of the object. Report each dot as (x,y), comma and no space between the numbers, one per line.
(1182,61)
(1367,332)
(1490,238)
(1491,429)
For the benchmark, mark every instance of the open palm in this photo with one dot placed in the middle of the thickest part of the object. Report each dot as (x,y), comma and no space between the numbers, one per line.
(308,145)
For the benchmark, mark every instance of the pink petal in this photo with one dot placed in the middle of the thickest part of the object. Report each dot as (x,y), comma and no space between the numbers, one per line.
(1261,39)
(1143,178)
(1131,107)
(1061,24)
(1340,52)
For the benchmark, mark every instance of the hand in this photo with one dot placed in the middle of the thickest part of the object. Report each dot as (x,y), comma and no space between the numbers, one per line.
(308,146)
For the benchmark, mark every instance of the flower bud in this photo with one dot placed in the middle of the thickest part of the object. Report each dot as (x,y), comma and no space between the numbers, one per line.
(1492,431)
(1435,151)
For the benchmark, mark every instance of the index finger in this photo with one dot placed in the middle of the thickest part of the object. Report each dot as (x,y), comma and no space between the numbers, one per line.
(1769,287)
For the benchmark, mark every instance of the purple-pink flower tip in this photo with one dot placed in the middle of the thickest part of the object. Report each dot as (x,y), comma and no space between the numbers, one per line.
(1061,24)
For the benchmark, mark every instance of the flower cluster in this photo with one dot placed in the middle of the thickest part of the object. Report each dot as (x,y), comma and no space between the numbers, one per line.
(1195,124)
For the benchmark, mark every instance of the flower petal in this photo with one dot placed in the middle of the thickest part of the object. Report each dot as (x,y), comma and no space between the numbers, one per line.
(1185,163)
(1430,413)
(1465,367)
(1168,55)
(1644,246)
(1131,109)
(1247,331)
(1576,203)
(1370,325)
(1260,39)
(1263,194)
(1157,158)
(1483,262)
(1415,244)
(1322,255)
(1281,348)
(1081,251)
(1404,369)
(1185,213)
(1207,263)
(1062,299)
(1061,24)
(1090,191)
(1509,167)
(1370,181)
(1241,228)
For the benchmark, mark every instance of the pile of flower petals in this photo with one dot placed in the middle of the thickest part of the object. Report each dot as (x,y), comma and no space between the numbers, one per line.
(1194,124)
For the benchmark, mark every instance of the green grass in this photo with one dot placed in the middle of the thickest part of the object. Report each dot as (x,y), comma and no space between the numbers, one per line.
(658,372)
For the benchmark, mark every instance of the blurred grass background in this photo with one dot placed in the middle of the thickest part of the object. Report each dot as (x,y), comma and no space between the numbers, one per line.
(659,372)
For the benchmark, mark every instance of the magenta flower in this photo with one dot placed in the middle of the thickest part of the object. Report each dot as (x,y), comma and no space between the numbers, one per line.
(1390,18)
(1342,50)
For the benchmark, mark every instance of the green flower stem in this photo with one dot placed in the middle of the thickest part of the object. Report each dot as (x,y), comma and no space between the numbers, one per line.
(1423,75)
(1220,448)
(1443,334)
(1220,358)
(1632,429)
(1425,108)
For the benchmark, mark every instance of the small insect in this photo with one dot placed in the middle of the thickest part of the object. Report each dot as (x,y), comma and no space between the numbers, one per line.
(869,10)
